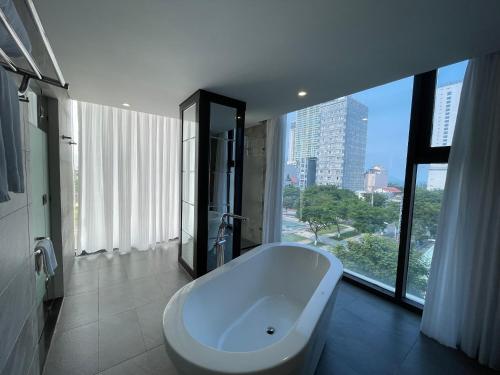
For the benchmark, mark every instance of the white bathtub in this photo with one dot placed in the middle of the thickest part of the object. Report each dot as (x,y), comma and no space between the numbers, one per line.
(218,323)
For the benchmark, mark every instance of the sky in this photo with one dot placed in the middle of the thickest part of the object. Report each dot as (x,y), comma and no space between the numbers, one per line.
(389,120)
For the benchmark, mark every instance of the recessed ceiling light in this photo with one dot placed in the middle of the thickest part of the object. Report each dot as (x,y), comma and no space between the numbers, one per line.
(126,105)
(302,93)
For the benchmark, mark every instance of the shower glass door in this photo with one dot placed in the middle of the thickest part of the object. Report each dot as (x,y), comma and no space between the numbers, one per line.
(189,183)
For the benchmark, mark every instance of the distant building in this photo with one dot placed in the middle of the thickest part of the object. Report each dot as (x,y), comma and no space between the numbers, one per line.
(437,176)
(291,145)
(445,117)
(306,133)
(375,178)
(445,113)
(342,143)
(330,138)
(307,171)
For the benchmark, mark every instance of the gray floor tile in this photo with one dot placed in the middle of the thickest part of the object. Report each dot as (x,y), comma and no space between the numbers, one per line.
(82,282)
(86,263)
(120,338)
(115,299)
(153,362)
(171,281)
(431,358)
(146,290)
(159,362)
(140,268)
(78,310)
(74,352)
(112,275)
(151,323)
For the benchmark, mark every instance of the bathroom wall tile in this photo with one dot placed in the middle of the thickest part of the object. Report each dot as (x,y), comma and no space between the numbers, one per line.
(78,310)
(14,245)
(74,352)
(22,355)
(15,304)
(120,339)
(115,300)
(151,323)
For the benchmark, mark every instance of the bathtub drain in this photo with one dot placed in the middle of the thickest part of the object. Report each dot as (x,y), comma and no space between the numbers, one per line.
(270,330)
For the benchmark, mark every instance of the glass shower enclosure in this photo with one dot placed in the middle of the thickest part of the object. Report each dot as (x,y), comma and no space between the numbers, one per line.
(211,183)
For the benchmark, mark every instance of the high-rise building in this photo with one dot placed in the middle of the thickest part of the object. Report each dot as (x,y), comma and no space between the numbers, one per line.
(291,145)
(445,115)
(335,133)
(375,179)
(342,143)
(306,133)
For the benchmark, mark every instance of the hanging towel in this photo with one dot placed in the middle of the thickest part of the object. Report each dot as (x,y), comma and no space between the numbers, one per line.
(11,153)
(6,41)
(49,257)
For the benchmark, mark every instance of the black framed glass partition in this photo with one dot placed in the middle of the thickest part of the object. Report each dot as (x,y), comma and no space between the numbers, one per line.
(211,183)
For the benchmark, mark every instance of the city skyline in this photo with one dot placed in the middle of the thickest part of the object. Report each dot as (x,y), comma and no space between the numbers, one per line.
(389,109)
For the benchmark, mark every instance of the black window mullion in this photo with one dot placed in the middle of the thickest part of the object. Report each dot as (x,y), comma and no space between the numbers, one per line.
(424,86)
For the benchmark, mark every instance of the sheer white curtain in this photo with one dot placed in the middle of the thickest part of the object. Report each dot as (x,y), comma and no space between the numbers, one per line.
(273,188)
(128,179)
(462,308)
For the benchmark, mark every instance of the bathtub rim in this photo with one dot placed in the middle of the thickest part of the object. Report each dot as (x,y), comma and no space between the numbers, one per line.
(199,355)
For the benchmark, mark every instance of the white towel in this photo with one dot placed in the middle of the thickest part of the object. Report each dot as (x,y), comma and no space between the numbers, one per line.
(49,257)
(11,153)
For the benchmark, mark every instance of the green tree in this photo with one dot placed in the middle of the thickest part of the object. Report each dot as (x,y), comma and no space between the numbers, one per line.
(375,199)
(376,257)
(323,206)
(365,217)
(291,197)
(426,213)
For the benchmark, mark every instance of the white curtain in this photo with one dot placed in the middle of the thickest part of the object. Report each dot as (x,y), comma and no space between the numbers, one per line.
(273,188)
(462,308)
(128,179)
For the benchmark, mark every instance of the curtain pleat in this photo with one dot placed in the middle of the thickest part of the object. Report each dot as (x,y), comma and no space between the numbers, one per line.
(462,307)
(128,177)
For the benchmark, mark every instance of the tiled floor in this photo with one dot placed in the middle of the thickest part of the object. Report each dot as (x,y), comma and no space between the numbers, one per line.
(110,323)
(110,320)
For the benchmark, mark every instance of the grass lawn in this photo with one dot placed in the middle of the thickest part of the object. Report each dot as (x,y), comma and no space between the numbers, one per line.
(292,237)
(333,229)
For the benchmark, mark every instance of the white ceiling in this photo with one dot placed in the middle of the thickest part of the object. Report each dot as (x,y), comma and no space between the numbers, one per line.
(155,53)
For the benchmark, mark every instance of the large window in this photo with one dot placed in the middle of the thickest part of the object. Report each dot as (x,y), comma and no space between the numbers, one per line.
(344,180)
(364,178)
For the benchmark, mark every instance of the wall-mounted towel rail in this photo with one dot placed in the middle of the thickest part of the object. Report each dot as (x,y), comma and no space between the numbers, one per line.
(35,73)
(7,59)
(20,44)
(46,42)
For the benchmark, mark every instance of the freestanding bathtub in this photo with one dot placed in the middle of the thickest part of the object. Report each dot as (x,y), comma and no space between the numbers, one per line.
(266,312)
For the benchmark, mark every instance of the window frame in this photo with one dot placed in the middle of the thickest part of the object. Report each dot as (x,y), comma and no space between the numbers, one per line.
(419,151)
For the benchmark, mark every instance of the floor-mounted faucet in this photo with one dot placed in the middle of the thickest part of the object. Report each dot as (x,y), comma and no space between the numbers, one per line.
(221,235)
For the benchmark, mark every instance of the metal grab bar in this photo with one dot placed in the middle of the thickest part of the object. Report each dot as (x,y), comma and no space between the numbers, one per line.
(20,44)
